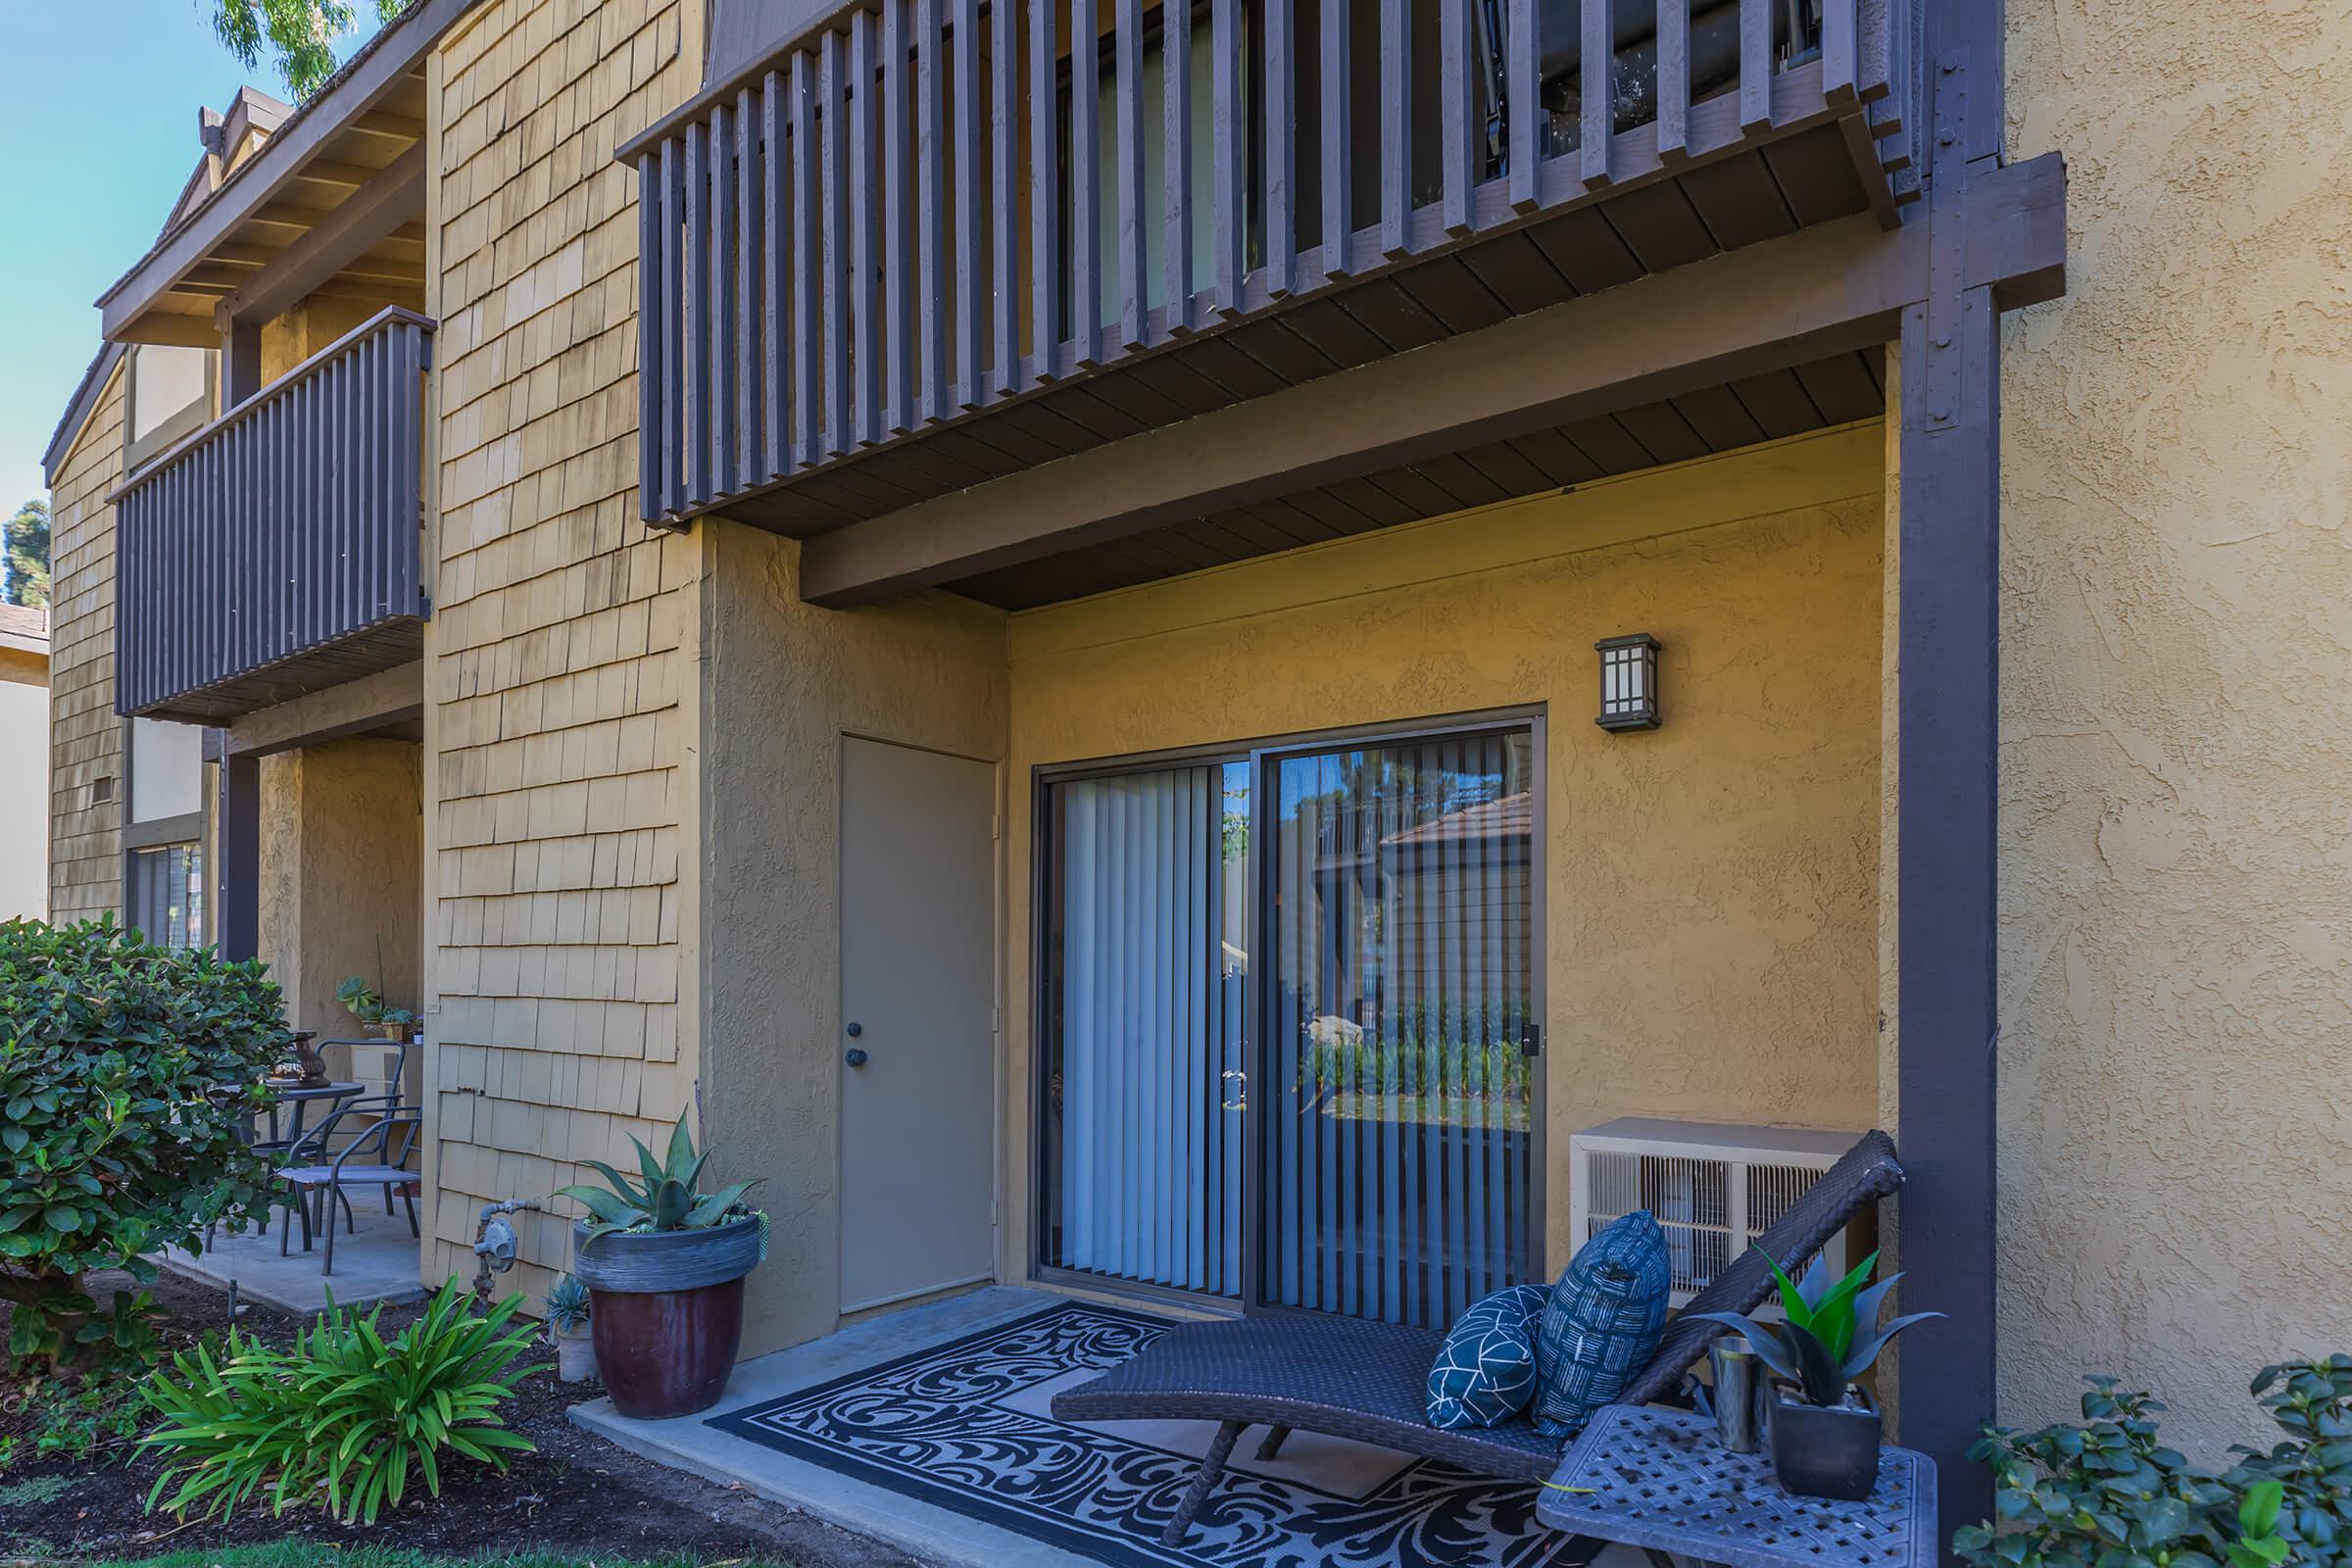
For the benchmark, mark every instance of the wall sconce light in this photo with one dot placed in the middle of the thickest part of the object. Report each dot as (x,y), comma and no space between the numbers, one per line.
(1629,682)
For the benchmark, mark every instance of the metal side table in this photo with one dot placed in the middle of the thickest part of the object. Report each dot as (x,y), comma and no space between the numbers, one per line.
(1660,1481)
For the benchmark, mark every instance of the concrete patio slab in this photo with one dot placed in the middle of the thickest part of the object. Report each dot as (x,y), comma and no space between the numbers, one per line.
(375,1262)
(923,1529)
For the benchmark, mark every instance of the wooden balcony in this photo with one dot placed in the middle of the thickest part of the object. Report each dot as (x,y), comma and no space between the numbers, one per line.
(844,253)
(278,550)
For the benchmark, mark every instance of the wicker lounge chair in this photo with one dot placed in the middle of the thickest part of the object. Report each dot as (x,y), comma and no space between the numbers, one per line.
(1347,1378)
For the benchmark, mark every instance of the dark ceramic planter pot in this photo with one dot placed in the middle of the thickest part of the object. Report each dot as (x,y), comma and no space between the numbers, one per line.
(1823,1453)
(667,1312)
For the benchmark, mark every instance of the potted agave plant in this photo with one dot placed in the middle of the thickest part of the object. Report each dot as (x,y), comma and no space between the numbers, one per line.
(663,1264)
(1825,1430)
(568,1320)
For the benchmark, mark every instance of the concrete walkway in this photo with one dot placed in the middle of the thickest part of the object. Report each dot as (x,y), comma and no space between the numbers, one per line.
(934,1533)
(377,1261)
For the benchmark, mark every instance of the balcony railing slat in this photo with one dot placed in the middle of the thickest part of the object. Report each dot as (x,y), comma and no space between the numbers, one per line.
(1004,136)
(650,379)
(744,153)
(865,354)
(1755,65)
(1523,100)
(726,334)
(289,526)
(1227,198)
(1086,187)
(1282,148)
(930,176)
(807,329)
(1598,48)
(1457,101)
(1336,136)
(698,313)
(971,294)
(832,111)
(1176,150)
(1045,182)
(1396,129)
(1128,48)
(775,361)
(1838,49)
(1674,77)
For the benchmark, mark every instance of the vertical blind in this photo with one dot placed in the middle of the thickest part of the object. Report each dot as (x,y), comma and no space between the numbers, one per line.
(1397,1180)
(1145,1153)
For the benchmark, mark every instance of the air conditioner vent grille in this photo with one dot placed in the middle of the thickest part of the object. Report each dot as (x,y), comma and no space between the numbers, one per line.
(1713,1188)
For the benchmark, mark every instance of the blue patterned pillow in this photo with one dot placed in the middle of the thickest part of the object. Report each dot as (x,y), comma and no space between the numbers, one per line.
(1603,1323)
(1486,1370)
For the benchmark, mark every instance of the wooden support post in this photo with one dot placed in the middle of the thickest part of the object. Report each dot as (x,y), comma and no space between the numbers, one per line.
(237,857)
(1947,801)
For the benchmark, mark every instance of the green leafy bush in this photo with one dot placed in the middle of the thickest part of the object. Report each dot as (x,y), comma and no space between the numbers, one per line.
(128,1073)
(2108,1494)
(341,1418)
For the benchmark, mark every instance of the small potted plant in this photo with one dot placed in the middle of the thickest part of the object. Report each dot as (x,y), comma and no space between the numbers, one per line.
(665,1263)
(568,1326)
(366,1003)
(1825,1430)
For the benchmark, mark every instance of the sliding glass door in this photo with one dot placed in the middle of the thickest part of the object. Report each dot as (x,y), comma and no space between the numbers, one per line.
(1399,995)
(1288,1004)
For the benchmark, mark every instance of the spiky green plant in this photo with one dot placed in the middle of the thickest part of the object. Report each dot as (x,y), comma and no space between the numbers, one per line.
(567,1305)
(1831,1335)
(665,1199)
(340,1418)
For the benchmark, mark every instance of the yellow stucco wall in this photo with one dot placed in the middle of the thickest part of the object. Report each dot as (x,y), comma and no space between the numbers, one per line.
(2176,709)
(86,738)
(341,876)
(781,683)
(556,661)
(1711,918)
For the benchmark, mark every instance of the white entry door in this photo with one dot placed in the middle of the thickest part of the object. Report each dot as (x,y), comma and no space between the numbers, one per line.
(917,1076)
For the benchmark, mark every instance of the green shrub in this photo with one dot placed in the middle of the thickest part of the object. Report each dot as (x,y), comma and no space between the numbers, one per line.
(341,1418)
(128,1072)
(2107,1493)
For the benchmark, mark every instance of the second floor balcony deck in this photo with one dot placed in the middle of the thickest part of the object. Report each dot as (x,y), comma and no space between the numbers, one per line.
(278,550)
(934,230)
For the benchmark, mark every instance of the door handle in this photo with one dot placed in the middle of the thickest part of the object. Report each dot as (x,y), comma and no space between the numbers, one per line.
(854,1055)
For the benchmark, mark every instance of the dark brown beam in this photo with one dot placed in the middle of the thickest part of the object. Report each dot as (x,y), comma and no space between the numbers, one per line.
(337,240)
(1782,302)
(390,62)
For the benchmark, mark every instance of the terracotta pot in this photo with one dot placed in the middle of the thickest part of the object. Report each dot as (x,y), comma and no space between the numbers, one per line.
(1826,1451)
(576,1354)
(667,1312)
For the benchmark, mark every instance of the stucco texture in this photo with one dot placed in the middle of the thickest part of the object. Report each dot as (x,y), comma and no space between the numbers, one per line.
(1711,902)
(342,878)
(779,684)
(2176,710)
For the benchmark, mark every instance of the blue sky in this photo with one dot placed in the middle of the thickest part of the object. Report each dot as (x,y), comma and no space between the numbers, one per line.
(105,95)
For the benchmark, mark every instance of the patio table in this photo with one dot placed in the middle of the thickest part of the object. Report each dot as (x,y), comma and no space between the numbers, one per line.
(1661,1481)
(300,1097)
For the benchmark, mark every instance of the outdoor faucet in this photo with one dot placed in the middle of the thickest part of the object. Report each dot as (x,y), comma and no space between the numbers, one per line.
(495,1243)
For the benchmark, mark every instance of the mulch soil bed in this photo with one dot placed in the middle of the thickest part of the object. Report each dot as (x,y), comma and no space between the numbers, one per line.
(576,1493)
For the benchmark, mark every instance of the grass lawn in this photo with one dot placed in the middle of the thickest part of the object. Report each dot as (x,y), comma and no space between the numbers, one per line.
(306,1555)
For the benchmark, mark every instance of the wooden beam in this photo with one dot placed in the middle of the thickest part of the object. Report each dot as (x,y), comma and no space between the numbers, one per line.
(340,238)
(387,697)
(392,60)
(1767,306)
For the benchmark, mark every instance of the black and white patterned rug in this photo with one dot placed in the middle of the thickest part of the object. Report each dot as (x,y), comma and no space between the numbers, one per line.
(966,1425)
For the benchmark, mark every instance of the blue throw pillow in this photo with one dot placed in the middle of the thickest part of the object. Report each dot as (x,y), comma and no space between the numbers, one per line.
(1603,1323)
(1486,1370)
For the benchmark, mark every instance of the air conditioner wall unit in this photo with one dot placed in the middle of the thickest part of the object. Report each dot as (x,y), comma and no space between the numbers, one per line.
(1713,1188)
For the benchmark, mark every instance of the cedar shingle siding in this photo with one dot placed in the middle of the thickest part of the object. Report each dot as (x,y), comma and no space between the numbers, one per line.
(555,664)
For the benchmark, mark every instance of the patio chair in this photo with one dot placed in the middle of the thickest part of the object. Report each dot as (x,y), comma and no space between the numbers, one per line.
(317,1169)
(1347,1378)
